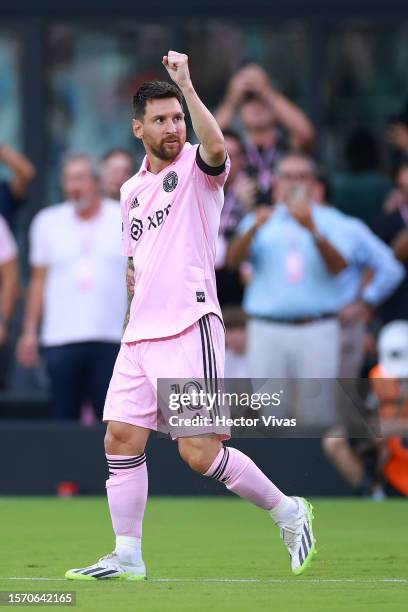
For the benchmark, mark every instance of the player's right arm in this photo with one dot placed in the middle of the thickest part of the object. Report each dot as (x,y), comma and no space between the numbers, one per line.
(27,345)
(130,286)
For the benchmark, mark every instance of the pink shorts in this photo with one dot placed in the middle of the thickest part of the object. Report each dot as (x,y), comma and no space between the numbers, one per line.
(196,355)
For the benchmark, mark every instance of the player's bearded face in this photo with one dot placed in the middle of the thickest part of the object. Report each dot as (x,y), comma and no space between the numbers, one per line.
(167,149)
(164,128)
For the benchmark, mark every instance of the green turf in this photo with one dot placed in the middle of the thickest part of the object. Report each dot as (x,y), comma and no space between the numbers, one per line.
(360,546)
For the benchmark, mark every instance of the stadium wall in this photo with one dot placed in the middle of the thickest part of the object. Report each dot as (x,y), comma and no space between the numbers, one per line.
(43,454)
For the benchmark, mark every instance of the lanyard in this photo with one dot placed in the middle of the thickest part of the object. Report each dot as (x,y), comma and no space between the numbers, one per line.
(403,209)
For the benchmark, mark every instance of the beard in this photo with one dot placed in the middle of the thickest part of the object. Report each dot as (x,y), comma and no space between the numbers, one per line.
(161,152)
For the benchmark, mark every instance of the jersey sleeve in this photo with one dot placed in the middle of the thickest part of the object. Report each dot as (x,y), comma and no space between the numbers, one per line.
(8,247)
(212,176)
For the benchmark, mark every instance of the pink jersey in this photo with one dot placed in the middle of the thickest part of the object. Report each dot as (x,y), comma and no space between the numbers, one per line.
(170,228)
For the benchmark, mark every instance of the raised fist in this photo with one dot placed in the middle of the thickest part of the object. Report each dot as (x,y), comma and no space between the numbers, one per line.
(176,65)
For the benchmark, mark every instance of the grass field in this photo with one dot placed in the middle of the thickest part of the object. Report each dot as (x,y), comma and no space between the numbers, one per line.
(211,554)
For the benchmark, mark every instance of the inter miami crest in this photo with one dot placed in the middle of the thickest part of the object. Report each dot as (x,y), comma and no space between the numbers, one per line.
(170,181)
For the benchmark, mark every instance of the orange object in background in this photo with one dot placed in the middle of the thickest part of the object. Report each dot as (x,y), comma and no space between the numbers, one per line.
(393,406)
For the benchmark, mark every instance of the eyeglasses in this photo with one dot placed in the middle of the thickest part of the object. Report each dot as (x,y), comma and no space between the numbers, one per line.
(295,176)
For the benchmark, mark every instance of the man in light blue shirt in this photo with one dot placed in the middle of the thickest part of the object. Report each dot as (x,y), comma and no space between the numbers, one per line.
(290,279)
(295,250)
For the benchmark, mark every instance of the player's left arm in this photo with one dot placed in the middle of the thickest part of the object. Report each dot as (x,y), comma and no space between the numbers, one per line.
(206,128)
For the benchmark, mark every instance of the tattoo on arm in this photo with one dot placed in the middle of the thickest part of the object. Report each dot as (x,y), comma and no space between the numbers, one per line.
(130,271)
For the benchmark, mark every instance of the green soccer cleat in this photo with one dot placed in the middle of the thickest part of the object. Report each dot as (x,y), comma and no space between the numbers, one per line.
(108,568)
(298,537)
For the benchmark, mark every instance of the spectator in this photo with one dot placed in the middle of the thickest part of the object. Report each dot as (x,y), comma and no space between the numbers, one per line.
(372,463)
(117,168)
(8,293)
(389,383)
(295,251)
(371,276)
(356,459)
(361,190)
(240,193)
(263,113)
(13,190)
(392,229)
(397,136)
(77,286)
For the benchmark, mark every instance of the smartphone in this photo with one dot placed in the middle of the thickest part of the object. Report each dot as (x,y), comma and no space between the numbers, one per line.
(296,196)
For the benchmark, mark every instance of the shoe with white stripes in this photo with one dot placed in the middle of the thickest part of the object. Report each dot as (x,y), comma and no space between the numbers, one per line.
(298,536)
(108,568)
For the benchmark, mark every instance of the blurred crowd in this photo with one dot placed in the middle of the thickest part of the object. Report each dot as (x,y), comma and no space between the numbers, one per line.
(310,267)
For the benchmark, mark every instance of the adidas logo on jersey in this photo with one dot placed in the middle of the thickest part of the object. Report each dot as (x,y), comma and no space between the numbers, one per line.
(134,204)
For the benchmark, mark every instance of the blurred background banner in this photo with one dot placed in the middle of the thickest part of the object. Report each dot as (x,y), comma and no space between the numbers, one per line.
(67,73)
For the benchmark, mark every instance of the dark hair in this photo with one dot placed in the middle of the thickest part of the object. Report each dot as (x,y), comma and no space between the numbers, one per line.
(227,133)
(152,90)
(117,151)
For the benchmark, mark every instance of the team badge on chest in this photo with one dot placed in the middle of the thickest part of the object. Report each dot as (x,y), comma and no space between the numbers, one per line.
(170,181)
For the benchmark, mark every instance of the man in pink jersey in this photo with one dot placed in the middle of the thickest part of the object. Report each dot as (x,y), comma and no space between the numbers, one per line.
(171,210)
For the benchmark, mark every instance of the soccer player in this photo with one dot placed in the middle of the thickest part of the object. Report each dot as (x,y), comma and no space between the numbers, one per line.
(171,210)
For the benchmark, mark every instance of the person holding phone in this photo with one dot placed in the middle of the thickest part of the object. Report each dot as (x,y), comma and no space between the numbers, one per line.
(296,250)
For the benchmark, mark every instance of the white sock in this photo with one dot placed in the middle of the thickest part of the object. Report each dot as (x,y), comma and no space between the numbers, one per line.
(285,511)
(129,549)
